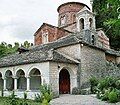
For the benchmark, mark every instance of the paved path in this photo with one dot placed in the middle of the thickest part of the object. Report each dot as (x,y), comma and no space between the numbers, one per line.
(79,100)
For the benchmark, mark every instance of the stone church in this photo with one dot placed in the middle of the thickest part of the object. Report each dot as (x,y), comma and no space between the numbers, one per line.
(63,56)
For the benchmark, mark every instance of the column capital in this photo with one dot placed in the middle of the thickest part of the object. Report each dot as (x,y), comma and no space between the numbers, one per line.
(15,77)
(28,77)
(4,78)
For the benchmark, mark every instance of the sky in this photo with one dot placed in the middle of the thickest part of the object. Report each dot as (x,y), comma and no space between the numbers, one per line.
(19,19)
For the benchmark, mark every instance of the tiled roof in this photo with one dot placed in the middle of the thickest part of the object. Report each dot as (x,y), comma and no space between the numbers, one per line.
(47,52)
(34,57)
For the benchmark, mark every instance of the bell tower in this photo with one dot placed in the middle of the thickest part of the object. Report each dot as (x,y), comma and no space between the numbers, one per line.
(85,20)
(86,25)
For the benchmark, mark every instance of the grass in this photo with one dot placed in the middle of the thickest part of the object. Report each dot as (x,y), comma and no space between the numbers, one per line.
(6,100)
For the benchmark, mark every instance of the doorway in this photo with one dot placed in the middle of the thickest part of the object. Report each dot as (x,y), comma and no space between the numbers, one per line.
(64,82)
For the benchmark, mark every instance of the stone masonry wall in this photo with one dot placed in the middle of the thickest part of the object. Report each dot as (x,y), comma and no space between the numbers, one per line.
(54,75)
(112,69)
(71,28)
(93,63)
(72,51)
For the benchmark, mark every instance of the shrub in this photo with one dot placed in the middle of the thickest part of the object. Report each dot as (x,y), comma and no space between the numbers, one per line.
(25,95)
(98,95)
(108,89)
(102,84)
(117,83)
(13,100)
(45,88)
(75,91)
(111,81)
(113,96)
(44,102)
(105,95)
(46,94)
(38,98)
(93,83)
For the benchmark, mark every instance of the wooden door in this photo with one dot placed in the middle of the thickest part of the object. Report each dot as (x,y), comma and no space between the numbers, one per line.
(64,82)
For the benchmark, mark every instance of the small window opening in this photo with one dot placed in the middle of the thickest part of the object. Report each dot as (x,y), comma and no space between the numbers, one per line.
(45,37)
(93,39)
(91,22)
(81,23)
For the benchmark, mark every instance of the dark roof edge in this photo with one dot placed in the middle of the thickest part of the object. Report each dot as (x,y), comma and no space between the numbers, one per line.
(81,42)
(113,52)
(24,63)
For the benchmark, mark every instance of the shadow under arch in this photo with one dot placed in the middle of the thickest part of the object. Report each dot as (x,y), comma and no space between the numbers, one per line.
(35,79)
(9,80)
(1,81)
(21,80)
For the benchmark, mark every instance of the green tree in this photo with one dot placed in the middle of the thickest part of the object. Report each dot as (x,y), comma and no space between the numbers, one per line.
(6,49)
(3,50)
(107,13)
(26,44)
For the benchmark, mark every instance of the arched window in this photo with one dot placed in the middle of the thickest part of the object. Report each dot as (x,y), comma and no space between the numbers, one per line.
(21,80)
(9,80)
(35,79)
(62,20)
(45,37)
(81,23)
(74,18)
(91,22)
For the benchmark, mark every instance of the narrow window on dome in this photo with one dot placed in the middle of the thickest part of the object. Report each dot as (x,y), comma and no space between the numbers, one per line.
(63,19)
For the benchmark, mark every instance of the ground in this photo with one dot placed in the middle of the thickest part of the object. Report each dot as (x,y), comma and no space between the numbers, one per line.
(79,100)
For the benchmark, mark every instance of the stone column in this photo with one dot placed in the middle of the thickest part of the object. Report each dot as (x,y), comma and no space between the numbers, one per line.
(4,84)
(15,83)
(28,83)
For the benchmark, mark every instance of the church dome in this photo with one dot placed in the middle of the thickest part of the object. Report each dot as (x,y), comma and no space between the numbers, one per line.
(81,5)
(67,12)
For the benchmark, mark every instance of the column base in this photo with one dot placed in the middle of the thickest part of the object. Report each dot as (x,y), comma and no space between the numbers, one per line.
(28,90)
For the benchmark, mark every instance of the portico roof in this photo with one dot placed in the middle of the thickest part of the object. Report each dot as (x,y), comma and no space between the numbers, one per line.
(34,57)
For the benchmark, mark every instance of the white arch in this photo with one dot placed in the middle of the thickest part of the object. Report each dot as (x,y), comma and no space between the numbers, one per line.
(71,72)
(31,68)
(10,71)
(18,70)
